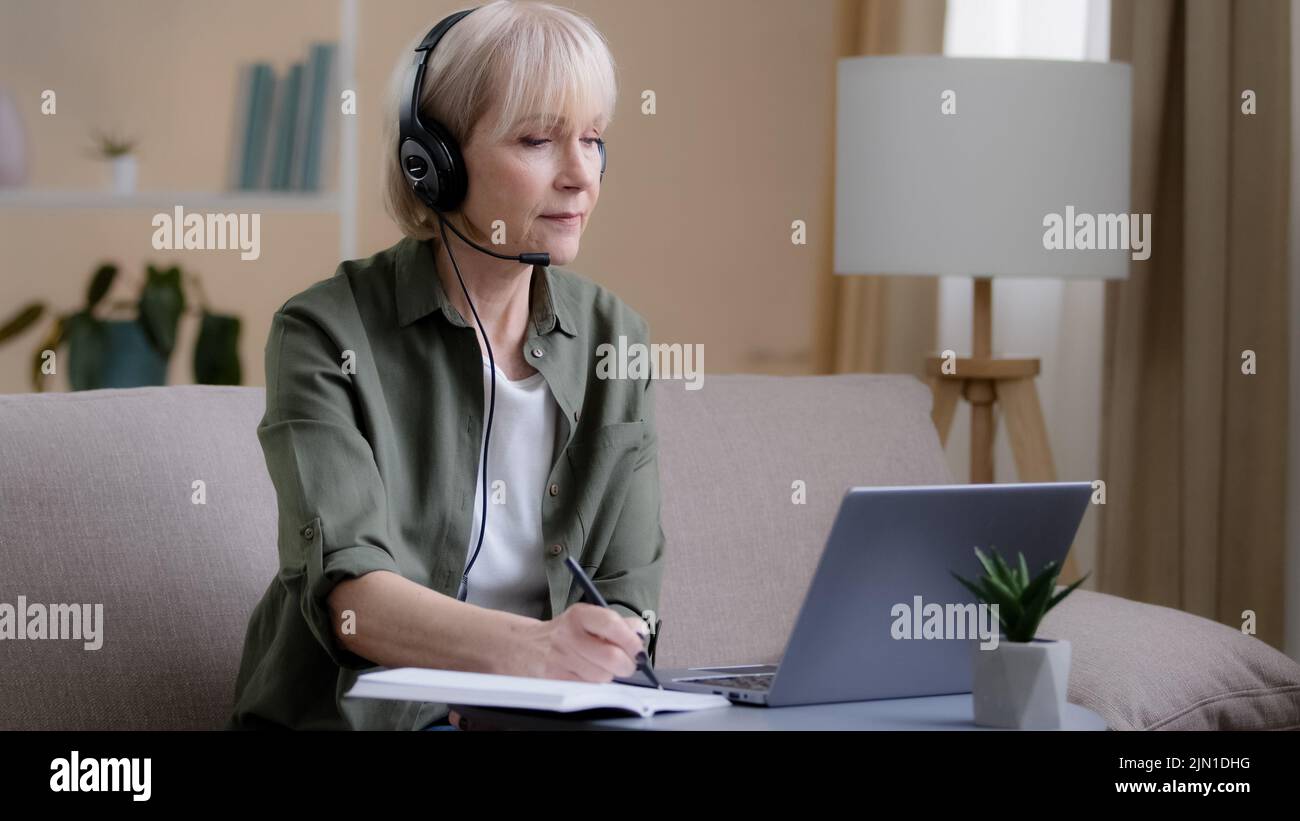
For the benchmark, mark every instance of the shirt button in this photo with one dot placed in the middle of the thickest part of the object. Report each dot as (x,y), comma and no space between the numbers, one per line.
(555,550)
(537,352)
(555,490)
(308,532)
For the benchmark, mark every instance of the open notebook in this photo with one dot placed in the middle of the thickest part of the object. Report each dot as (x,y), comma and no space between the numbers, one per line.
(488,690)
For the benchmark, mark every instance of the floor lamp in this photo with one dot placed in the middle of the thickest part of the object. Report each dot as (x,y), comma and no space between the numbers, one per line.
(985,168)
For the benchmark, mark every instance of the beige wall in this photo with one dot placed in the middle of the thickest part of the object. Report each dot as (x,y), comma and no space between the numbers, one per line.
(694,219)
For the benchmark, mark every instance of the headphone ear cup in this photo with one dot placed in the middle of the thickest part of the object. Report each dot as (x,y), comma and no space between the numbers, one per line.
(448,181)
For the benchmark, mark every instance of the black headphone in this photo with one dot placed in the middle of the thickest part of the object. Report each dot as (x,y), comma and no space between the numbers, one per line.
(429,156)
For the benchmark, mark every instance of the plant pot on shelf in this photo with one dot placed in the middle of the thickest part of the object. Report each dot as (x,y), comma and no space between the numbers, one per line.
(122,173)
(113,354)
(1021,685)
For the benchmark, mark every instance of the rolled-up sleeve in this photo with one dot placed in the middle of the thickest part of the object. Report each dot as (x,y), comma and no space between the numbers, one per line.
(631,571)
(333,512)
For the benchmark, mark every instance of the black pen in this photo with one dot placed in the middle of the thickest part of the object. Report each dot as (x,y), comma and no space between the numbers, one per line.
(642,660)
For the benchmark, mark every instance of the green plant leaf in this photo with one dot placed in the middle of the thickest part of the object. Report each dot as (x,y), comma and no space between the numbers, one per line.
(21,321)
(998,570)
(983,594)
(1010,612)
(1042,585)
(1035,601)
(990,569)
(1001,590)
(1024,569)
(109,145)
(161,304)
(1005,575)
(1067,591)
(978,592)
(87,340)
(1034,611)
(216,353)
(99,284)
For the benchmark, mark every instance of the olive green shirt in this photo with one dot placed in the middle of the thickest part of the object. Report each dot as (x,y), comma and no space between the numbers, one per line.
(372,436)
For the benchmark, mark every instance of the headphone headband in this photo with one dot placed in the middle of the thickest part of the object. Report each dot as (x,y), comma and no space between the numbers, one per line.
(410,110)
(430,160)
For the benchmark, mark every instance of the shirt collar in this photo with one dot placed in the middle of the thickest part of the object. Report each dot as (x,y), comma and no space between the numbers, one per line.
(419,292)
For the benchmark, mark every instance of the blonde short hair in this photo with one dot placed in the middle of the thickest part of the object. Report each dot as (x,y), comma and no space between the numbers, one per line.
(531,58)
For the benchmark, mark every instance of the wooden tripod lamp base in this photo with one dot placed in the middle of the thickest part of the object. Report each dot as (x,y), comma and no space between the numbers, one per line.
(984,381)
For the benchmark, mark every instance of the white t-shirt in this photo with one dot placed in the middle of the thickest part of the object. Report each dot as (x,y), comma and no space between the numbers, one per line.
(510,573)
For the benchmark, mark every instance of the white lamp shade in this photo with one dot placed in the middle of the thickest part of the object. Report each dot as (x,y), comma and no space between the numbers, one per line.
(920,191)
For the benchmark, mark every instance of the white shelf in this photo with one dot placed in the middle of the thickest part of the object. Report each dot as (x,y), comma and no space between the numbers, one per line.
(247,201)
(342,203)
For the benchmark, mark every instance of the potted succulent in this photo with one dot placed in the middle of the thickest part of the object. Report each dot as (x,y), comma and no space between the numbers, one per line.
(120,154)
(108,351)
(1022,682)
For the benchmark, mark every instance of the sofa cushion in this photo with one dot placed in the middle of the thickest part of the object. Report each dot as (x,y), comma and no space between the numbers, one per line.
(96,506)
(742,548)
(1145,667)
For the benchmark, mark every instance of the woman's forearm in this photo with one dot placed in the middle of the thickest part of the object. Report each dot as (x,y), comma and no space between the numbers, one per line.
(399,623)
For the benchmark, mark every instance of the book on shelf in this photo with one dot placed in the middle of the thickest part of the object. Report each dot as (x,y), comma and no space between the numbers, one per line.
(257,90)
(284,131)
(313,129)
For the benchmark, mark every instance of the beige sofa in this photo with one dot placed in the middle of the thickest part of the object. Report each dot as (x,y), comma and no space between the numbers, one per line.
(96,507)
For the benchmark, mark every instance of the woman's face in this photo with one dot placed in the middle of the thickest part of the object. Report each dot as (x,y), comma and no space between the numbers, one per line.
(537,171)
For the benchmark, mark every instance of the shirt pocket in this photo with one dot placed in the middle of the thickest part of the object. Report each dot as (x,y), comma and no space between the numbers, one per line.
(602,463)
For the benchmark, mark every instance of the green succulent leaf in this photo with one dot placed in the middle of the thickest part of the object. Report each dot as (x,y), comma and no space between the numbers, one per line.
(1035,603)
(1040,589)
(1010,611)
(1067,591)
(1005,575)
(1000,590)
(978,591)
(990,569)
(1022,601)
(1007,606)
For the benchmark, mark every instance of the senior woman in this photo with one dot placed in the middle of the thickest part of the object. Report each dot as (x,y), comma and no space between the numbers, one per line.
(382,393)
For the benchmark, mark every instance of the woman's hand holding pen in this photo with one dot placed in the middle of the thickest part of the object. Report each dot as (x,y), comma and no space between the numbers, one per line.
(584,643)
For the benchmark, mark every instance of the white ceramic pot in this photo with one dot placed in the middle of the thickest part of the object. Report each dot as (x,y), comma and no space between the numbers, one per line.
(123,174)
(1021,685)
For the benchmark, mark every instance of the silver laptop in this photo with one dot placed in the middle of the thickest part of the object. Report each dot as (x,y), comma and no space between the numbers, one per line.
(865,630)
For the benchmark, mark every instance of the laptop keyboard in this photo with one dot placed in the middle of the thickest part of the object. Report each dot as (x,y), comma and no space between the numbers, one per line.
(748,681)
